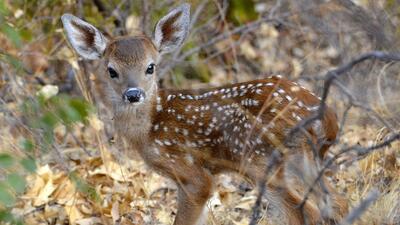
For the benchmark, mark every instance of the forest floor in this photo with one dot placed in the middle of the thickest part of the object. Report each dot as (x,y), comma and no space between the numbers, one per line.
(83,177)
(131,193)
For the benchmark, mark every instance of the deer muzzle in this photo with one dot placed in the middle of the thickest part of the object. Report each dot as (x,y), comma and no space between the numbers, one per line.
(133,95)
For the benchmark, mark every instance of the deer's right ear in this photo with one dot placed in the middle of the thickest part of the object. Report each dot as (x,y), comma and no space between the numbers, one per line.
(87,40)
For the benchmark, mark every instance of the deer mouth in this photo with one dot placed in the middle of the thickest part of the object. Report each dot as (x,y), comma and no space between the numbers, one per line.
(133,95)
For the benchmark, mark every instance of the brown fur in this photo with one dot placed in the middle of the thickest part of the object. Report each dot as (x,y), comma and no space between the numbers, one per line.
(192,168)
(129,50)
(192,135)
(194,177)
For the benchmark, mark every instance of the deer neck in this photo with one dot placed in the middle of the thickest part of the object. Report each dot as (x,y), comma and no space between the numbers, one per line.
(134,122)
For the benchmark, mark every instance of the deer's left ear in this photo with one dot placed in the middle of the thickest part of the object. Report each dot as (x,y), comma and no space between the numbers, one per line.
(172,29)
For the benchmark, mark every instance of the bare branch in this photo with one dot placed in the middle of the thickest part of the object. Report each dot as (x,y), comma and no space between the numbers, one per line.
(360,151)
(331,75)
(361,208)
(274,160)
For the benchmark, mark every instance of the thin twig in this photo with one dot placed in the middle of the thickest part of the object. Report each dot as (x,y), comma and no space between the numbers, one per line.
(274,160)
(334,74)
(361,151)
(361,208)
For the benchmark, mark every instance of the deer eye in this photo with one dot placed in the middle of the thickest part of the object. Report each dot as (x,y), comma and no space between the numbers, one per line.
(113,74)
(150,69)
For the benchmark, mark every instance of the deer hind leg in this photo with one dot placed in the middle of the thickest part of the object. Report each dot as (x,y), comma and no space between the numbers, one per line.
(339,204)
(320,208)
(286,199)
(323,204)
(283,198)
(195,188)
(332,204)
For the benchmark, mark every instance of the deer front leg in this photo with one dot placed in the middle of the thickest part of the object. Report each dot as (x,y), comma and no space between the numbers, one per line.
(195,188)
(195,183)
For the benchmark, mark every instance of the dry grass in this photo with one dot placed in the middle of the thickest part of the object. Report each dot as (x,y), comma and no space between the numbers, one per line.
(128,192)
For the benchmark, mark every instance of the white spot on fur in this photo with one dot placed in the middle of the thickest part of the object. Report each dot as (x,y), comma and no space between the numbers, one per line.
(170,97)
(189,159)
(158,142)
(167,143)
(156,151)
(159,108)
(295,88)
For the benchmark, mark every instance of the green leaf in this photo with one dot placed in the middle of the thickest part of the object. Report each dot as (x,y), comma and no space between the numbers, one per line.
(203,72)
(17,182)
(27,145)
(29,164)
(69,115)
(72,110)
(6,161)
(12,61)
(242,11)
(49,120)
(84,187)
(6,216)
(48,139)
(6,198)
(47,27)
(12,34)
(82,107)
(3,8)
(26,34)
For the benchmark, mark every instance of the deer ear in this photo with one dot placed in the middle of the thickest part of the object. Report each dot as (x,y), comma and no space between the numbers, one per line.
(172,29)
(84,37)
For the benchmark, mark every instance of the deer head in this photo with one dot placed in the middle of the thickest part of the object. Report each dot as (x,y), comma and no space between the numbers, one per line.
(131,61)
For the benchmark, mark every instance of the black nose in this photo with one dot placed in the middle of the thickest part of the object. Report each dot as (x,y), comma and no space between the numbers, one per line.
(133,95)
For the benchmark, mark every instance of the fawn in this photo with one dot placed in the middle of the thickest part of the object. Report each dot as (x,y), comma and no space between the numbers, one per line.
(191,135)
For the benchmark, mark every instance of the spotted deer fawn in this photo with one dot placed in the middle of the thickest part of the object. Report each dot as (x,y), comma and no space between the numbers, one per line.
(191,135)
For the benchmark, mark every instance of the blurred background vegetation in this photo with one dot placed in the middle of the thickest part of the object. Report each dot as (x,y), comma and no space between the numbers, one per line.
(55,124)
